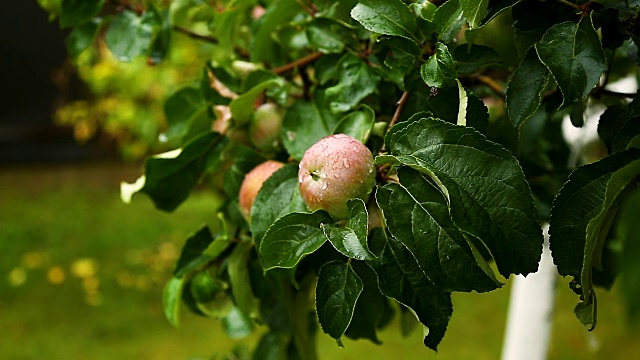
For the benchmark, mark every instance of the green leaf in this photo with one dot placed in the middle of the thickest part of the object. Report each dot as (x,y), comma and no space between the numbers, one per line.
(447,20)
(170,177)
(305,123)
(356,81)
(171,300)
(183,108)
(162,38)
(627,230)
(526,87)
(337,291)
(192,255)
(370,307)
(357,124)
(389,17)
(263,45)
(581,217)
(402,55)
(76,12)
(237,325)
(477,113)
(244,160)
(242,106)
(291,238)
(474,11)
(351,240)
(417,215)
(208,295)
(470,60)
(130,35)
(611,123)
(466,168)
(463,101)
(327,35)
(439,71)
(81,37)
(240,282)
(272,346)
(573,53)
(400,278)
(278,196)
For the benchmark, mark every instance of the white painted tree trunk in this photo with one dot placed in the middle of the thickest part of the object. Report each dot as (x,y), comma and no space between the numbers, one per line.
(530,311)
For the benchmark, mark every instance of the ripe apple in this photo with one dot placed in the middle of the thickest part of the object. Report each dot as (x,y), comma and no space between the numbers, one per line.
(252,183)
(335,169)
(264,129)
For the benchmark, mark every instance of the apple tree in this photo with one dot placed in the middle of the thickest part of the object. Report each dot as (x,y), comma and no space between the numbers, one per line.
(374,153)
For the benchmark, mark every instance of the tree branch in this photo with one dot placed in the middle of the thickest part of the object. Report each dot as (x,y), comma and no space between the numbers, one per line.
(300,62)
(492,84)
(193,35)
(396,116)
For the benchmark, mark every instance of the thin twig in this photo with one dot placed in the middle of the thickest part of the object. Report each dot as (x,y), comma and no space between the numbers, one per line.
(400,106)
(193,35)
(575,6)
(300,62)
(492,84)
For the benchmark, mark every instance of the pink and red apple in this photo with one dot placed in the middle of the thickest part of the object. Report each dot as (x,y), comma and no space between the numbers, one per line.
(252,183)
(335,169)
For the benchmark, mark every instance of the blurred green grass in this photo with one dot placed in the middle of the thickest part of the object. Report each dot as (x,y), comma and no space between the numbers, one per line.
(81,276)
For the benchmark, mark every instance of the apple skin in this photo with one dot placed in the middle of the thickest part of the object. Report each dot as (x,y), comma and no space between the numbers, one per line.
(335,169)
(264,128)
(252,183)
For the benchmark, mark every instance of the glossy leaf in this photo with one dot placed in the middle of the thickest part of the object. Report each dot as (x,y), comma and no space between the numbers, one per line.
(291,238)
(369,312)
(470,60)
(192,255)
(581,217)
(337,291)
(439,71)
(263,45)
(76,12)
(245,159)
(242,106)
(130,35)
(327,35)
(357,124)
(416,214)
(305,123)
(356,81)
(278,196)
(573,53)
(389,17)
(401,278)
(171,300)
(447,20)
(402,55)
(170,177)
(474,11)
(182,109)
(468,169)
(526,88)
(351,240)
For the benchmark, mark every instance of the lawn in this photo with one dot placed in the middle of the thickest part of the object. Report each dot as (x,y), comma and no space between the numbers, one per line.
(81,276)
